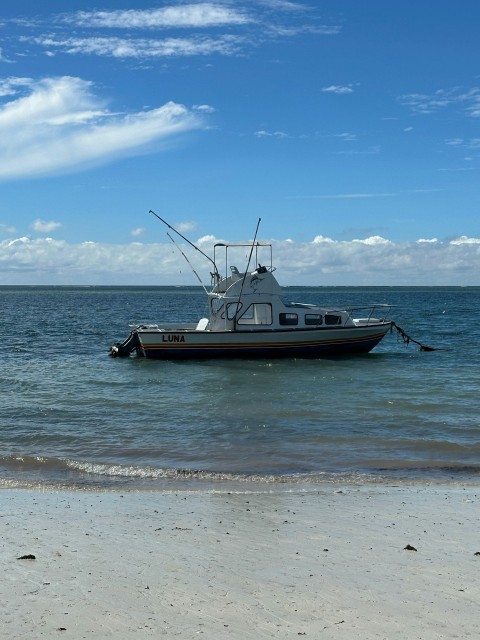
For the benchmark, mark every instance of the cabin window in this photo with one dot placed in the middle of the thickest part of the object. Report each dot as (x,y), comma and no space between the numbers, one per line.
(232,309)
(288,318)
(332,319)
(259,313)
(313,318)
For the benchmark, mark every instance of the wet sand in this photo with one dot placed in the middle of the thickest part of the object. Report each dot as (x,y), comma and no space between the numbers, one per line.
(330,562)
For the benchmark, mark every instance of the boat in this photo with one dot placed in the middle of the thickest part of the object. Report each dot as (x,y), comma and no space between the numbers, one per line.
(249,317)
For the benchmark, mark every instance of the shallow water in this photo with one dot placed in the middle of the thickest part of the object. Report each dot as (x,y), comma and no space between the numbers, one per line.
(73,416)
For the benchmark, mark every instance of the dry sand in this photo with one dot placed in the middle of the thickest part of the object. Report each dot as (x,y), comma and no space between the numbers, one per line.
(323,564)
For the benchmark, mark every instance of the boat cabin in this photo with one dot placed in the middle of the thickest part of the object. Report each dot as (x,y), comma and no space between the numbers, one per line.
(254,301)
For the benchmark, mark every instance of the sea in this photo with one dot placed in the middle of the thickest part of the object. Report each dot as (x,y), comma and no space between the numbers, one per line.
(73,417)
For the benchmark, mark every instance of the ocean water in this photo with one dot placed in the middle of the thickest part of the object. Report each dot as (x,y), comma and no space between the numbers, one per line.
(72,416)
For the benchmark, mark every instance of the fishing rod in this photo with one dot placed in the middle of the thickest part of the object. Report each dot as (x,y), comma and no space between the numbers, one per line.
(215,274)
(188,261)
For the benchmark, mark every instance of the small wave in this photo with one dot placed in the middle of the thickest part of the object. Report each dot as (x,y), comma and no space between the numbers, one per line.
(35,471)
(160,473)
(33,463)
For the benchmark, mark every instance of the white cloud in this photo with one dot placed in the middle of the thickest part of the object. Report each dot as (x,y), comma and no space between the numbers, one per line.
(45,227)
(289,30)
(10,86)
(3,58)
(339,89)
(205,108)
(6,228)
(454,141)
(61,125)
(346,137)
(185,227)
(195,29)
(270,134)
(207,241)
(203,14)
(465,240)
(422,103)
(143,48)
(371,261)
(136,233)
(283,5)
(52,101)
(354,196)
(373,240)
(324,239)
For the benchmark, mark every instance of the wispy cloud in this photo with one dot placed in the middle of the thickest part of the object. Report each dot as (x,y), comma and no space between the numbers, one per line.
(143,48)
(270,134)
(11,86)
(295,30)
(338,89)
(205,108)
(3,58)
(371,260)
(203,14)
(6,228)
(421,103)
(221,28)
(284,5)
(352,196)
(44,226)
(186,226)
(310,24)
(60,125)
(346,137)
(472,143)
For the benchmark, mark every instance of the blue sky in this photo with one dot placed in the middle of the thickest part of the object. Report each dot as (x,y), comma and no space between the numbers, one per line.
(351,128)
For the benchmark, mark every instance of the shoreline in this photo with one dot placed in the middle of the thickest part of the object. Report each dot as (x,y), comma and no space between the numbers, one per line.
(51,474)
(213,482)
(328,562)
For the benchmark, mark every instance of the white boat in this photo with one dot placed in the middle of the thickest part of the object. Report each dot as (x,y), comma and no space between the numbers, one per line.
(248,316)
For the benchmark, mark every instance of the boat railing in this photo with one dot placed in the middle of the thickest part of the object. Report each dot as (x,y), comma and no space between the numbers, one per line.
(227,253)
(372,310)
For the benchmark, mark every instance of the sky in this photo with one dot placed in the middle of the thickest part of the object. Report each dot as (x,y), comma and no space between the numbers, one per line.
(351,128)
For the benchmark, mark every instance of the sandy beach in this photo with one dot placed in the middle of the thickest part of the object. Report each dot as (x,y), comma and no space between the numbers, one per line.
(330,562)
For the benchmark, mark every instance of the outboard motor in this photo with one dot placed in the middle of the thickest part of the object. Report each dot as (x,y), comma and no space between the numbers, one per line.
(125,348)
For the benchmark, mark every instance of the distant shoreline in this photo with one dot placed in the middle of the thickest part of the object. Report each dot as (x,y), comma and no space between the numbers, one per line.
(199,289)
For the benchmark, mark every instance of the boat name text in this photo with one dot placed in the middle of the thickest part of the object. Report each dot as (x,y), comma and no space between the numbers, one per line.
(173,338)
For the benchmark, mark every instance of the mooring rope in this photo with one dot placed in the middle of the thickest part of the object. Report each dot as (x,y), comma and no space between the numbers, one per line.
(407,339)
